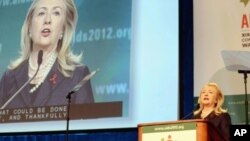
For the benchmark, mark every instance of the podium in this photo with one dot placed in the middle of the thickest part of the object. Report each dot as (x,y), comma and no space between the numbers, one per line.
(182,130)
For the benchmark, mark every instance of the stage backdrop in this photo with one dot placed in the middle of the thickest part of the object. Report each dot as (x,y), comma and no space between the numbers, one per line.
(221,48)
(134,44)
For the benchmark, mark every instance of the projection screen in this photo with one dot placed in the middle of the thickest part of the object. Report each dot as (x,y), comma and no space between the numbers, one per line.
(134,47)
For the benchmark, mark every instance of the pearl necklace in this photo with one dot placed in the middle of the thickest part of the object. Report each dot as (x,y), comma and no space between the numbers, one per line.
(205,114)
(43,71)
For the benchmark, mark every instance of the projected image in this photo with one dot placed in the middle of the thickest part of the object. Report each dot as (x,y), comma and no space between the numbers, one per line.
(53,55)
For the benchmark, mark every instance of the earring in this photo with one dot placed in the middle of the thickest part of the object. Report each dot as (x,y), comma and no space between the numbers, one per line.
(30,35)
(61,36)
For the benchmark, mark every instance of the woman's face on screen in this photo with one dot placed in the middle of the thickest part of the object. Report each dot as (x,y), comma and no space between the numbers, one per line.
(46,26)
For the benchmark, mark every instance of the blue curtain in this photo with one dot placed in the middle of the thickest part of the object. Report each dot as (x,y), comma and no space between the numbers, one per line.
(186,101)
(126,135)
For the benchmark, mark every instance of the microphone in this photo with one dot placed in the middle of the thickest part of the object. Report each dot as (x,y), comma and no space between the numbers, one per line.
(189,114)
(39,62)
(81,83)
(40,58)
(243,71)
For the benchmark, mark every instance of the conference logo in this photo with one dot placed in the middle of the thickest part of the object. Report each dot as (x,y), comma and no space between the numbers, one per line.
(245,26)
(245,2)
(169,138)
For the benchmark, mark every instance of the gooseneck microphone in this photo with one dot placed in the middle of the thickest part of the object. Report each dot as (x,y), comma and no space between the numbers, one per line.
(39,59)
(82,83)
(75,89)
(39,62)
(190,115)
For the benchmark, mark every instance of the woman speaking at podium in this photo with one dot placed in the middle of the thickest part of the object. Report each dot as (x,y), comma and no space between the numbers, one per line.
(210,108)
(46,59)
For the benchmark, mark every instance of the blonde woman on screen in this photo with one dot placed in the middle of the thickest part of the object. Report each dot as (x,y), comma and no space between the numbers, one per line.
(49,26)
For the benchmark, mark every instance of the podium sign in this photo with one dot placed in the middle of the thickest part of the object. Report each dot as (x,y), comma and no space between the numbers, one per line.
(172,132)
(182,130)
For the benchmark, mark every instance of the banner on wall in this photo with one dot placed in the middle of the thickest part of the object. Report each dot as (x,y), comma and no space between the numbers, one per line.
(221,49)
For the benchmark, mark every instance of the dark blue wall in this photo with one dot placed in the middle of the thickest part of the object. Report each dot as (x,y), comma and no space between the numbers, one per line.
(129,134)
(186,102)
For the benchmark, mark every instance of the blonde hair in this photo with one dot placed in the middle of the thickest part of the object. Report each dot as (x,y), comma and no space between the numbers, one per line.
(220,100)
(66,59)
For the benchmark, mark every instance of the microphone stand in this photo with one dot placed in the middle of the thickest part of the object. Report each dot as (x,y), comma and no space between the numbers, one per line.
(75,89)
(246,99)
(68,109)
